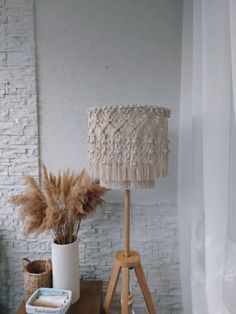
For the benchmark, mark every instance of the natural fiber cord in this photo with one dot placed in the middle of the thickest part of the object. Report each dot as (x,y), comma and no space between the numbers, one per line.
(128,145)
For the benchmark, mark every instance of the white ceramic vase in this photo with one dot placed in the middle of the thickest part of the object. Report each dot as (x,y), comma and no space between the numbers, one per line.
(65,268)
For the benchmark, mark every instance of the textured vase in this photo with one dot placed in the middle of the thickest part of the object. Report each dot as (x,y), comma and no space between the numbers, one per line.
(65,268)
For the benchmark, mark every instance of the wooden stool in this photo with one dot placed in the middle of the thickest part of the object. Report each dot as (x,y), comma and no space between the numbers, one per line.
(121,262)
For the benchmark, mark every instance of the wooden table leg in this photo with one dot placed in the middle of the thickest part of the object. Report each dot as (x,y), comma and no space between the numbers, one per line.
(125,290)
(111,287)
(144,287)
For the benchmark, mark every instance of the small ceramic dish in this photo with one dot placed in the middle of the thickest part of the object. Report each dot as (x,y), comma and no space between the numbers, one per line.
(49,301)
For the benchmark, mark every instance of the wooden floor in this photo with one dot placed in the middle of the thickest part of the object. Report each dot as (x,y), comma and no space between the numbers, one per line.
(90,301)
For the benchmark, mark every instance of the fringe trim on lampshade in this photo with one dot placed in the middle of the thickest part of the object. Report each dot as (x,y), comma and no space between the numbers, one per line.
(116,175)
(128,145)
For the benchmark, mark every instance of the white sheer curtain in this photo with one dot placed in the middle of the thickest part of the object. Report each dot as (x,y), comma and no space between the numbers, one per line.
(207,158)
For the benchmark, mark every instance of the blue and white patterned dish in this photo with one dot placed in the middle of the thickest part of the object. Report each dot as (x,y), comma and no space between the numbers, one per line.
(57,297)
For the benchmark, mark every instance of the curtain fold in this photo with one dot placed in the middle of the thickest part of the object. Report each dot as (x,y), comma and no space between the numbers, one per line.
(232,14)
(207,151)
(185,160)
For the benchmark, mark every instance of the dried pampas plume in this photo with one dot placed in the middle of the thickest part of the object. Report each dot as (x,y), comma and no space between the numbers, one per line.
(60,206)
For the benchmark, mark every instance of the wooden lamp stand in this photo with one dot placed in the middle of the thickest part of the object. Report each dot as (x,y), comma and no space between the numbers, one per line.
(124,260)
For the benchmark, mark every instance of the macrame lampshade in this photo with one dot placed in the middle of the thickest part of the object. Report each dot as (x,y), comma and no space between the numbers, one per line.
(128,145)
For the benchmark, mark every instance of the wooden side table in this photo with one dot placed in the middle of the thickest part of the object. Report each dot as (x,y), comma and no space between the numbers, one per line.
(90,299)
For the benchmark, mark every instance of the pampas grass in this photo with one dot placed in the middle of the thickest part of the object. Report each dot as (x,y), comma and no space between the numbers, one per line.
(60,206)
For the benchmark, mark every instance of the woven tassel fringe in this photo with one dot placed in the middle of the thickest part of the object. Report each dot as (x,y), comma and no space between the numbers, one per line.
(116,175)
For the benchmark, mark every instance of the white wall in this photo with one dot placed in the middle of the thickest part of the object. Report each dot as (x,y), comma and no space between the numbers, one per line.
(18,139)
(105,52)
(96,52)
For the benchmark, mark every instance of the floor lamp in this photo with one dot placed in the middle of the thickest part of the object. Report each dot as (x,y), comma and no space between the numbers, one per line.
(128,149)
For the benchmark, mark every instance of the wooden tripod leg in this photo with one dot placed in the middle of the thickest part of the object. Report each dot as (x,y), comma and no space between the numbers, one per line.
(111,287)
(125,290)
(144,287)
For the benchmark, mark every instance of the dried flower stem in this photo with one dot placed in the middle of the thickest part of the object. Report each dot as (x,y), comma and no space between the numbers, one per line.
(65,200)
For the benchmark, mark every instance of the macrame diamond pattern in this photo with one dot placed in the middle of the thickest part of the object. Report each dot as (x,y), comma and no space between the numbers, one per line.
(128,145)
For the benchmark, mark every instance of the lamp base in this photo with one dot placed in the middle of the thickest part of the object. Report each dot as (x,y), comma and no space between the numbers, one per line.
(121,262)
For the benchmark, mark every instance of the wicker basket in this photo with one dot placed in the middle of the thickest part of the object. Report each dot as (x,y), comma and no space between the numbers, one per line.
(37,274)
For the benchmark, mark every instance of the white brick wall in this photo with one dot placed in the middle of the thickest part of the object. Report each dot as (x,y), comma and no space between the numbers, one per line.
(18,135)
(154,228)
(153,234)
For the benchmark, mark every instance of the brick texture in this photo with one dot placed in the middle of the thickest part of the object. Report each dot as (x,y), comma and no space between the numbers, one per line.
(154,228)
(153,234)
(18,136)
